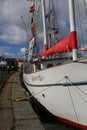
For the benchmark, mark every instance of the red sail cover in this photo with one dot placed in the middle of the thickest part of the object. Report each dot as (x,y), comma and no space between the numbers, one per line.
(85,49)
(68,43)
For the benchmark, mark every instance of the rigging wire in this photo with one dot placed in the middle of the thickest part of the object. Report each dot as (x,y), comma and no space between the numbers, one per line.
(80,94)
(25,27)
(66,78)
(73,105)
(39,26)
(85,7)
(77,23)
(77,86)
(39,16)
(80,25)
(52,24)
(77,90)
(63,31)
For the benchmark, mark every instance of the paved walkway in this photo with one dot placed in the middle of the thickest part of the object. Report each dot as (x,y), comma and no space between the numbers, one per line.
(20,115)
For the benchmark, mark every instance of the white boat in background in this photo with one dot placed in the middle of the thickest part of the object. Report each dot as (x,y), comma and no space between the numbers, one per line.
(57,77)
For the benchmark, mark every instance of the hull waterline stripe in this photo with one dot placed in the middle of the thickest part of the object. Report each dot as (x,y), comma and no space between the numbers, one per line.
(58,84)
(77,125)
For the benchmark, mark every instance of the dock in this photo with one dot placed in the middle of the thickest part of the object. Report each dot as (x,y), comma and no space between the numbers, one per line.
(16,113)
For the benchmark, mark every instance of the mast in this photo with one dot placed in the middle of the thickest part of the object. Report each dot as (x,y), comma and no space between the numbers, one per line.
(52,26)
(44,25)
(73,28)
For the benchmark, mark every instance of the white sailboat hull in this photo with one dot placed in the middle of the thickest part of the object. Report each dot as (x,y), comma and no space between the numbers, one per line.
(62,90)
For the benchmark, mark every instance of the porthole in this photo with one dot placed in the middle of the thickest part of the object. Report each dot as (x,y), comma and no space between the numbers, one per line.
(43,95)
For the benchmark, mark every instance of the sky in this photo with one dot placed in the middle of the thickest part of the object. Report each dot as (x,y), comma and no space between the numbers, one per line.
(13,38)
(12,33)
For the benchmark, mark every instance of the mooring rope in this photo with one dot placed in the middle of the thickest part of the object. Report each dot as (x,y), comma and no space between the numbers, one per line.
(68,83)
(46,88)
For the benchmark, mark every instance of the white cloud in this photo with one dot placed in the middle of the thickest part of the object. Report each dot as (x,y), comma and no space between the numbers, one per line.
(11,28)
(13,34)
(22,50)
(7,48)
(7,54)
(5,51)
(10,21)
